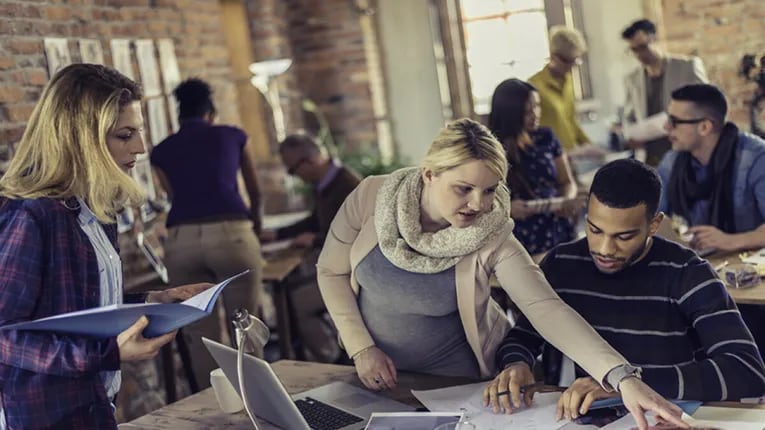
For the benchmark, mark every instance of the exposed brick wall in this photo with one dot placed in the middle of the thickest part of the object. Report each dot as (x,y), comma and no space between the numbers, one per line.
(326,42)
(720,32)
(195,27)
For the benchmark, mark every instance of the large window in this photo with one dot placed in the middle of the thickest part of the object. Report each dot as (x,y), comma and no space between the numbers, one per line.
(508,39)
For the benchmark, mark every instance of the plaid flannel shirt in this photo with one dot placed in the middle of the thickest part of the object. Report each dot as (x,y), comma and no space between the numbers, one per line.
(48,267)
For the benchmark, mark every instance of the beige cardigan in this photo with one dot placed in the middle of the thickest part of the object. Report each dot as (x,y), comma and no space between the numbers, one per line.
(352,236)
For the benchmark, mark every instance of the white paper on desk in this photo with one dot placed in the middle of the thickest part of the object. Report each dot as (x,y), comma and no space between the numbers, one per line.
(756,258)
(275,246)
(714,413)
(647,129)
(469,398)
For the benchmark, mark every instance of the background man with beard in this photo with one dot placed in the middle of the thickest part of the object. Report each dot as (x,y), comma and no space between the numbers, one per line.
(654,301)
(714,177)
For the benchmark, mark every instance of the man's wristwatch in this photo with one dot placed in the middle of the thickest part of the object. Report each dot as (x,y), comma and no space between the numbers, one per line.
(616,375)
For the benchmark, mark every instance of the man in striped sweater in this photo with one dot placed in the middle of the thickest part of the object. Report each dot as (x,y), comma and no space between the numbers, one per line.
(655,301)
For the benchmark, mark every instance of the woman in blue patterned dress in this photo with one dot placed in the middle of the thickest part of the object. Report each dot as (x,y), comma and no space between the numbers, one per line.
(538,169)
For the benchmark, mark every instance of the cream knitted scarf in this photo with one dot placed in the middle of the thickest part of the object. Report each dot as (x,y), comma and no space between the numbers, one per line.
(400,235)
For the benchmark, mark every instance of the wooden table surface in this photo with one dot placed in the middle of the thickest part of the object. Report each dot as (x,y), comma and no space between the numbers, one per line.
(201,411)
(279,265)
(752,296)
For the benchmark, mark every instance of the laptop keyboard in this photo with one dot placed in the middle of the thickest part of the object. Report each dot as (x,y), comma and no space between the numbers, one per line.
(321,416)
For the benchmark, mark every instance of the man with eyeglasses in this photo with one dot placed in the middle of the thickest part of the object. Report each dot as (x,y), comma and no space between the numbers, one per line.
(648,87)
(332,182)
(714,177)
(556,87)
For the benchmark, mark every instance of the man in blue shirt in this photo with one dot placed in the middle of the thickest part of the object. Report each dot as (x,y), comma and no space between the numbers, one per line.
(714,177)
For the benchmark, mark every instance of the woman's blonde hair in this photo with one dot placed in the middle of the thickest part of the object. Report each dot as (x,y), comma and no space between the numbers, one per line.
(63,152)
(463,141)
(567,41)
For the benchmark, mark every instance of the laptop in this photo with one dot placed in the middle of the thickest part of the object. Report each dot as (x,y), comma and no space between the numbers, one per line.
(335,406)
(668,232)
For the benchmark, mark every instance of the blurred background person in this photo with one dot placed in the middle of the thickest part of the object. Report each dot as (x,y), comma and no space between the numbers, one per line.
(648,87)
(331,182)
(538,170)
(212,234)
(556,87)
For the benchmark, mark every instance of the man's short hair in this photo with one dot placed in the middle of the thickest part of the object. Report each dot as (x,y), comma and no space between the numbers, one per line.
(626,183)
(566,41)
(643,25)
(707,98)
(300,144)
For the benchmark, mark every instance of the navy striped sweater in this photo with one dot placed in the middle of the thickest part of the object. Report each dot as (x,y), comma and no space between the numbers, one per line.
(669,314)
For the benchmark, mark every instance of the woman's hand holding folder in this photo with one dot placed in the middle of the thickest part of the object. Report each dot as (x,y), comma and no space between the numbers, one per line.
(133,346)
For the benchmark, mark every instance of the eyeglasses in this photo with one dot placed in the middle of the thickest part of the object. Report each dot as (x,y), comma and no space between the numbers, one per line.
(640,48)
(674,121)
(291,170)
(576,61)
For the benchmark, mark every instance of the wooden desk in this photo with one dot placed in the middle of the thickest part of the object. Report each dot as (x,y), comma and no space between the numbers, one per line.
(750,296)
(278,266)
(201,411)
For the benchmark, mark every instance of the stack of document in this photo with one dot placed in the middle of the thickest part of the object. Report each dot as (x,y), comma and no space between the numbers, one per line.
(469,399)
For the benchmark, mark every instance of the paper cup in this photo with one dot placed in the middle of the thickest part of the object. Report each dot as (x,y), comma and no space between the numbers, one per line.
(228,400)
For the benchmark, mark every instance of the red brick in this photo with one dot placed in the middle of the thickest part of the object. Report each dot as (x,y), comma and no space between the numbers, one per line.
(24,46)
(10,135)
(36,77)
(19,112)
(58,13)
(18,10)
(7,63)
(10,93)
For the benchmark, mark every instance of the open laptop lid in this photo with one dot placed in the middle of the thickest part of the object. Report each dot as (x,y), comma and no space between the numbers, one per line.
(268,399)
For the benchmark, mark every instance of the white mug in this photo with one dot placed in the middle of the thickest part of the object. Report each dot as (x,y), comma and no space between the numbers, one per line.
(228,399)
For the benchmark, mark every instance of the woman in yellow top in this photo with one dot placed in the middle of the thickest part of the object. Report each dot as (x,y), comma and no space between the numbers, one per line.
(556,87)
(408,260)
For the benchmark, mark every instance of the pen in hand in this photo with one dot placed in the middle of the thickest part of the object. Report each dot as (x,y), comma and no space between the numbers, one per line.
(537,386)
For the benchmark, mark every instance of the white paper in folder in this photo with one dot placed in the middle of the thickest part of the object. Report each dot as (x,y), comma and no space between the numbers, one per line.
(647,129)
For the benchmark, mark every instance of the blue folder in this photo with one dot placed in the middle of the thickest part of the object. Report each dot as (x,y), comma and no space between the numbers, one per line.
(109,321)
(688,406)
